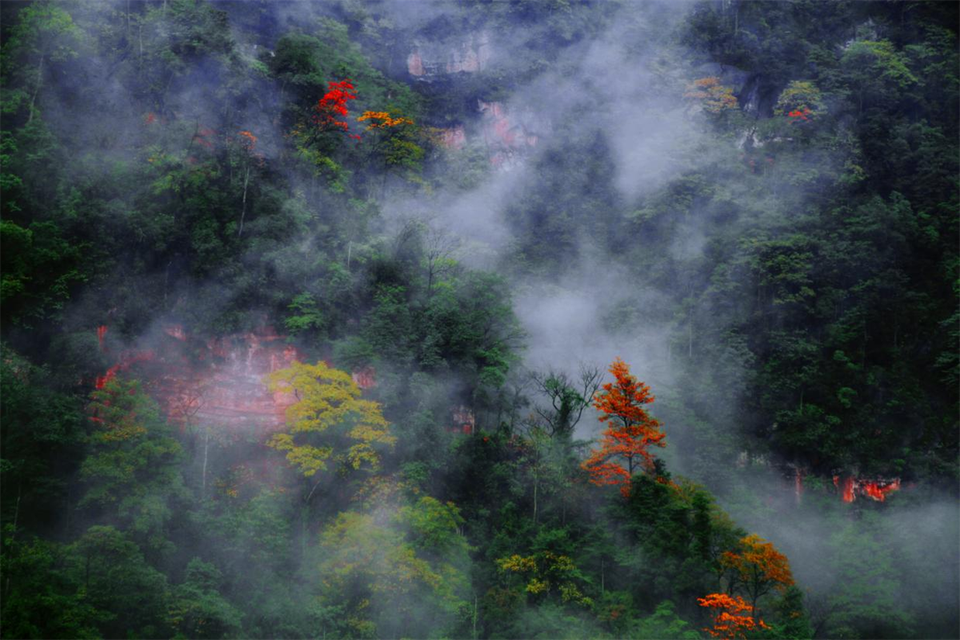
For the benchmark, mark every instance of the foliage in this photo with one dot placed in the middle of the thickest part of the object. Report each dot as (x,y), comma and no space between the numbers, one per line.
(328,420)
(630,433)
(730,620)
(787,266)
(712,96)
(757,569)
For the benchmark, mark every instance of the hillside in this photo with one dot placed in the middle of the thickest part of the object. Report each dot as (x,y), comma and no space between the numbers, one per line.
(510,319)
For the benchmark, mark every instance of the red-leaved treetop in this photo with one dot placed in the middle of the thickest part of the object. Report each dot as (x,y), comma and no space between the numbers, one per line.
(333,105)
(630,430)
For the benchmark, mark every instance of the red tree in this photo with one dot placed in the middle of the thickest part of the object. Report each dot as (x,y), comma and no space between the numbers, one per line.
(333,105)
(630,430)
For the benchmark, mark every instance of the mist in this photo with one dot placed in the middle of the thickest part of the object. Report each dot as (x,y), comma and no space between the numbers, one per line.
(744,202)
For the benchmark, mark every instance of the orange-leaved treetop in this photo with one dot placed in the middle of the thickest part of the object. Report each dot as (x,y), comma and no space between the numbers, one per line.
(630,430)
(756,569)
(730,617)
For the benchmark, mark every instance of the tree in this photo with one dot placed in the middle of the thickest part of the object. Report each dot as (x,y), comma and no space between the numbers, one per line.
(248,157)
(133,462)
(546,573)
(329,421)
(43,33)
(568,399)
(39,599)
(730,619)
(398,576)
(333,105)
(630,431)
(711,96)
(800,101)
(758,569)
(197,610)
(116,578)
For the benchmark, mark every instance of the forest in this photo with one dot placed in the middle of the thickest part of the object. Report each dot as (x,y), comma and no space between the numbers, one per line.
(479,319)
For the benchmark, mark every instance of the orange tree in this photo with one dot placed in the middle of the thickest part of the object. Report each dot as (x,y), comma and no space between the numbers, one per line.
(630,430)
(730,617)
(757,569)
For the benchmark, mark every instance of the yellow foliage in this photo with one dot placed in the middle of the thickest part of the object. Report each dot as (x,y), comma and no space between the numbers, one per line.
(329,401)
(382,120)
(711,95)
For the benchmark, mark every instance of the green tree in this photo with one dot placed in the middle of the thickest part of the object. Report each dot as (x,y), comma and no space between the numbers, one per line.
(197,609)
(43,34)
(132,470)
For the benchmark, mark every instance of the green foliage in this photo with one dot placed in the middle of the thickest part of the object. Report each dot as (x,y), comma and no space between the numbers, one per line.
(132,469)
(388,584)
(798,273)
(114,577)
(41,438)
(197,610)
(40,600)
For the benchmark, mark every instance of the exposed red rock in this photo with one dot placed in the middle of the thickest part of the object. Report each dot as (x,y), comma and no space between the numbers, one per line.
(463,420)
(470,55)
(415,64)
(219,381)
(453,137)
(506,136)
(365,378)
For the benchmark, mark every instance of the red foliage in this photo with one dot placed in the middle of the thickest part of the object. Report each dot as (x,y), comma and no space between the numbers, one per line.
(850,487)
(101,333)
(630,431)
(200,137)
(127,359)
(333,104)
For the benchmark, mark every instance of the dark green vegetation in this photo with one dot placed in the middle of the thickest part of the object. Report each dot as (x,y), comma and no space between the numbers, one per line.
(798,254)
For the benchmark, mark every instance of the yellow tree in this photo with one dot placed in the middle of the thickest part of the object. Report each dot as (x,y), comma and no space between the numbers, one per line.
(331,423)
(711,96)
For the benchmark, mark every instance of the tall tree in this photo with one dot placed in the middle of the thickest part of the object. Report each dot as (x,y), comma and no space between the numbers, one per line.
(630,430)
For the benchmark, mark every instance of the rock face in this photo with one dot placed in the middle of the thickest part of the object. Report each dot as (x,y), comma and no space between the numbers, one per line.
(431,60)
(508,136)
(453,137)
(217,382)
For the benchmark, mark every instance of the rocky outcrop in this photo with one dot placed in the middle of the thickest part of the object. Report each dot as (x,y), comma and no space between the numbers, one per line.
(508,136)
(430,60)
(453,137)
(217,382)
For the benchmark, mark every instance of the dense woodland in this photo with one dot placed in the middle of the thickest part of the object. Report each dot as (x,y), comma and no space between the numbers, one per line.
(754,202)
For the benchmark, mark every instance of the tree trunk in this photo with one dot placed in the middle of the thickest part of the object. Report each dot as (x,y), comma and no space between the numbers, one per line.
(16,514)
(536,485)
(243,212)
(206,448)
(475,612)
(36,89)
(602,575)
